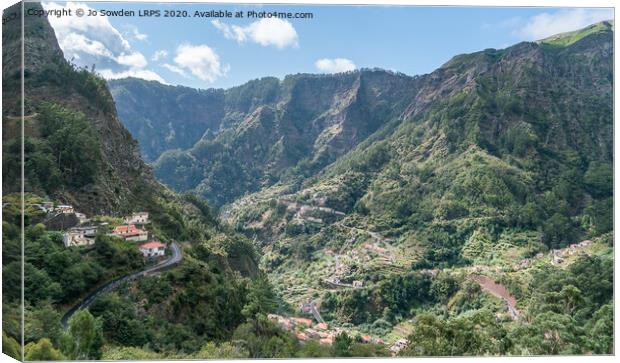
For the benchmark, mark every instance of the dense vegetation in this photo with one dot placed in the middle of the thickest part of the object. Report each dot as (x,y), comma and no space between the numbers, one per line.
(510,162)
(379,196)
(569,312)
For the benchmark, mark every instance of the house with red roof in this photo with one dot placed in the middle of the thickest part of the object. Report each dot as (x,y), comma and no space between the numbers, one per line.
(153,249)
(130,233)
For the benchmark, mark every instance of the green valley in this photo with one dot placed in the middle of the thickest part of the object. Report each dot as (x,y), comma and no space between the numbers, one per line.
(366,213)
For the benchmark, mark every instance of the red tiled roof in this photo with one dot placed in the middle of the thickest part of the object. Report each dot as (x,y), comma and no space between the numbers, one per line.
(152,244)
(128,230)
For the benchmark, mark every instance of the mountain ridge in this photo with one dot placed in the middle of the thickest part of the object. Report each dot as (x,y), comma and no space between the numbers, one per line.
(331,136)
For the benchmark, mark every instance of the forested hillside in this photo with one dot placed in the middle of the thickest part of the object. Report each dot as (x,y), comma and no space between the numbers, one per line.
(78,154)
(468,211)
(499,162)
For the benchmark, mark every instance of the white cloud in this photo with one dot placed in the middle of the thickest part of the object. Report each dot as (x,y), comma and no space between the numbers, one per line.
(335,65)
(137,73)
(73,45)
(160,54)
(92,40)
(547,24)
(96,28)
(132,60)
(272,31)
(175,69)
(135,33)
(201,61)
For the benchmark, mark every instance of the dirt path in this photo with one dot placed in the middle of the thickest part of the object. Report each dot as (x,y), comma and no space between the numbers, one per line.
(499,291)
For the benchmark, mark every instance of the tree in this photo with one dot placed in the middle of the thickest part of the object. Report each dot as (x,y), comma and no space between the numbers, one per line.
(601,331)
(428,338)
(261,298)
(42,350)
(557,230)
(312,349)
(342,345)
(119,320)
(83,339)
(10,346)
(43,321)
(225,350)
(599,179)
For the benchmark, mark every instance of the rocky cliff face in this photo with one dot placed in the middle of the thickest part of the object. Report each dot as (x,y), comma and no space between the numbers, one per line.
(115,168)
(166,118)
(260,132)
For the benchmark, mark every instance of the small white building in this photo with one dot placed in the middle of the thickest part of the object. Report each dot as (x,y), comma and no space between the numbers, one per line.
(82,217)
(137,218)
(153,249)
(399,345)
(48,206)
(79,236)
(63,208)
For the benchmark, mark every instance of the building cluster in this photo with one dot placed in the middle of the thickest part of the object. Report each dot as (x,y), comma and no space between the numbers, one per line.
(84,235)
(557,256)
(305,329)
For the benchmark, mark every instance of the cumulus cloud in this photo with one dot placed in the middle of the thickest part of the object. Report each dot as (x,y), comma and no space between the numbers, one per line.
(335,65)
(96,28)
(137,73)
(266,32)
(132,60)
(160,54)
(199,60)
(92,40)
(546,24)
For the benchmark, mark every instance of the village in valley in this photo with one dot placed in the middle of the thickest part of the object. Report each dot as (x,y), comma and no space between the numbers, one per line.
(362,248)
(79,230)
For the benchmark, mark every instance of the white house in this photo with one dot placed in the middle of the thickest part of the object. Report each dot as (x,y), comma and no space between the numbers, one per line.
(79,236)
(137,218)
(399,345)
(48,206)
(82,217)
(67,209)
(153,249)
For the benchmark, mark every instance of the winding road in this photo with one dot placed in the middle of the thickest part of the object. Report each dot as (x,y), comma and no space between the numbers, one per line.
(177,256)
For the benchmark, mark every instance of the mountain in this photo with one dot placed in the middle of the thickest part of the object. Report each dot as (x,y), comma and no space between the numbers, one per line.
(91,161)
(77,152)
(496,155)
(267,129)
(468,211)
(165,118)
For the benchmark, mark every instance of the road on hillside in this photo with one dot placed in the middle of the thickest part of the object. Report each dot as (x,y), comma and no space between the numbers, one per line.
(176,257)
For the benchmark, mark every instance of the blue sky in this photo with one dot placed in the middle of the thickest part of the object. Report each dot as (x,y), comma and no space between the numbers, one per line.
(202,53)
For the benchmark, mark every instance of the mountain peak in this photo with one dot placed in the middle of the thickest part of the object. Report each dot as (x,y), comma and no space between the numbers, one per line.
(568,38)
